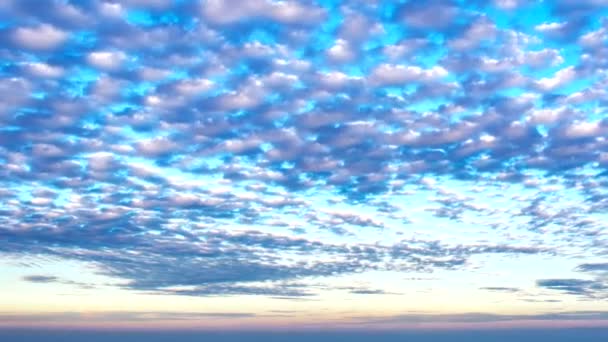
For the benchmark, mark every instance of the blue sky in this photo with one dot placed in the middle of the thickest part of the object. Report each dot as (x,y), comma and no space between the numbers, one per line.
(269,164)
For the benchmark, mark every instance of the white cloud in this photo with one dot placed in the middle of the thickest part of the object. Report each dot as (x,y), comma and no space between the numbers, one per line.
(583,129)
(387,74)
(45,70)
(507,4)
(547,116)
(106,60)
(193,86)
(288,12)
(552,29)
(42,37)
(559,79)
(341,51)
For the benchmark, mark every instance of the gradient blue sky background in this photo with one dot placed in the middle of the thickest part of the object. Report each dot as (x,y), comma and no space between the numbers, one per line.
(269,165)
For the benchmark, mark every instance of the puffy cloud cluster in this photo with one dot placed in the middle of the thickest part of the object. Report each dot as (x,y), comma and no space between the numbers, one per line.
(189,143)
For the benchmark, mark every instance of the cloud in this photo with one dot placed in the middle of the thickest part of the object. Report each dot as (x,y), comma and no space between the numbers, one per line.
(249,146)
(388,74)
(42,37)
(593,267)
(582,287)
(501,289)
(106,60)
(435,14)
(559,79)
(45,279)
(508,4)
(223,263)
(40,279)
(45,70)
(479,31)
(367,291)
(226,12)
(479,318)
(128,316)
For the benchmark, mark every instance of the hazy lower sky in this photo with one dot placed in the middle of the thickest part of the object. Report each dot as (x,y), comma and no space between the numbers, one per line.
(526,335)
(314,164)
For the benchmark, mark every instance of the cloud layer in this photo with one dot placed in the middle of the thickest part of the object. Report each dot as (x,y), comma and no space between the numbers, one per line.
(214,148)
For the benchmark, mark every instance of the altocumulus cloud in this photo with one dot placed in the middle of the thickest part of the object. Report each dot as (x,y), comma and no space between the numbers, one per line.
(200,147)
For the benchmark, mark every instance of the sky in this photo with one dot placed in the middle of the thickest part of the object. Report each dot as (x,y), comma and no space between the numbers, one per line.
(524,335)
(362,165)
